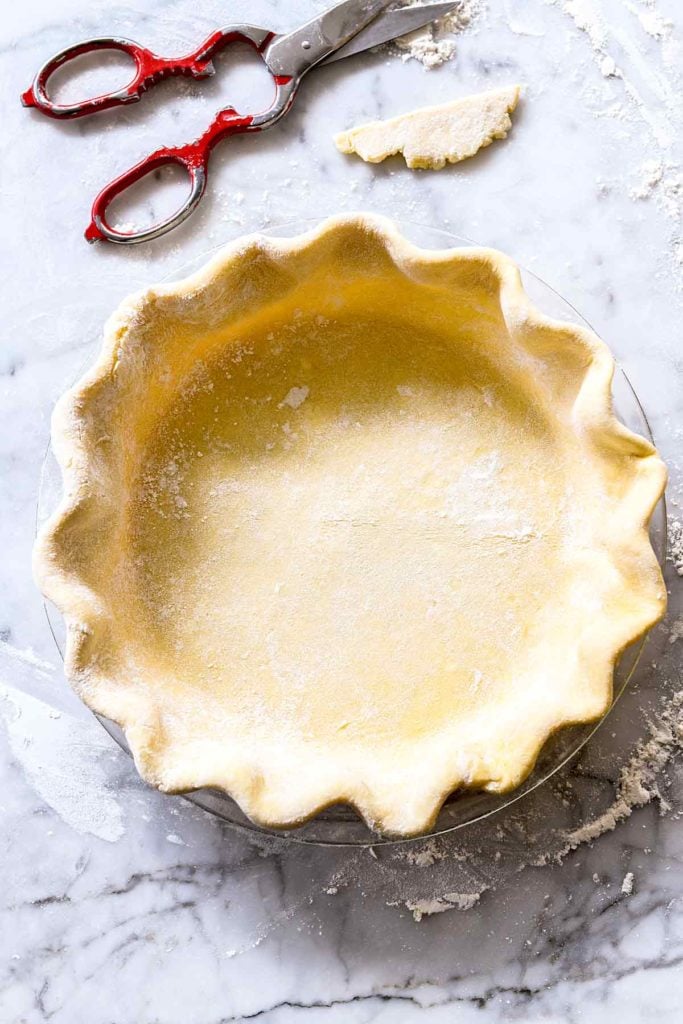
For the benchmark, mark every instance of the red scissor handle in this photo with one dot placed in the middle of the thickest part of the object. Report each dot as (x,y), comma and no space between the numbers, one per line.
(193,158)
(149,69)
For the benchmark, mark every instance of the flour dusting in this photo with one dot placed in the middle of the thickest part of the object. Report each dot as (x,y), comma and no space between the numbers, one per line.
(627,884)
(662,180)
(433,45)
(641,63)
(588,20)
(449,901)
(675,554)
(295,397)
(638,782)
(651,173)
(425,855)
(655,24)
(649,66)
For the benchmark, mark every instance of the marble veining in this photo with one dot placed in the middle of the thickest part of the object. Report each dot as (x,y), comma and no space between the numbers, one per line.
(123,906)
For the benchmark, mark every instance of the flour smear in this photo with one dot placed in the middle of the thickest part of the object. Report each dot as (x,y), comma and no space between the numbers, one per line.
(69,770)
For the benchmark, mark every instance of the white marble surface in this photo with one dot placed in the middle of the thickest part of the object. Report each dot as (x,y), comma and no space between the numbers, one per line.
(121,906)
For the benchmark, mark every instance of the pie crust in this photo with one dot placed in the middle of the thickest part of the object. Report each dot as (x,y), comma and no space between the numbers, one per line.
(347,520)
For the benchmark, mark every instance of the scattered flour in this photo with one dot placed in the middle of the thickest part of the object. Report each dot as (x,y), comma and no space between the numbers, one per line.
(663,181)
(433,45)
(295,397)
(627,884)
(609,68)
(675,554)
(651,81)
(425,855)
(651,173)
(449,901)
(637,783)
(653,22)
(422,45)
(587,19)
(462,17)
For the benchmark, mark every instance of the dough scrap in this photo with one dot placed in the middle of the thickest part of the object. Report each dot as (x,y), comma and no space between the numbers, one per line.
(347,520)
(434,136)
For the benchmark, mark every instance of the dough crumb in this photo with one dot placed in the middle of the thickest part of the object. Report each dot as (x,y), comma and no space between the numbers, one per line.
(434,136)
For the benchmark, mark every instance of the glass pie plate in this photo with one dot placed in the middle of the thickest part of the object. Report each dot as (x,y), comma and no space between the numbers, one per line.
(340,825)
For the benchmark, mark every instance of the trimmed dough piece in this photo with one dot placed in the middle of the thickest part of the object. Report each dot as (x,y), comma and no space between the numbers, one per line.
(434,136)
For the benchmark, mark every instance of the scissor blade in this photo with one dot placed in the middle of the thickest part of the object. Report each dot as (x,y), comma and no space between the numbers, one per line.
(296,52)
(390,25)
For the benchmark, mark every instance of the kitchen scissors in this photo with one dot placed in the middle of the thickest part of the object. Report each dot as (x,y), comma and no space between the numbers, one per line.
(347,28)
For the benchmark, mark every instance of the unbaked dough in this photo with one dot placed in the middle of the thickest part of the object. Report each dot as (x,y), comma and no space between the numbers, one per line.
(347,520)
(434,136)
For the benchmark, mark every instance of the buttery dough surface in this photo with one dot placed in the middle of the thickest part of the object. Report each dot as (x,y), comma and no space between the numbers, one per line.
(434,136)
(347,520)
